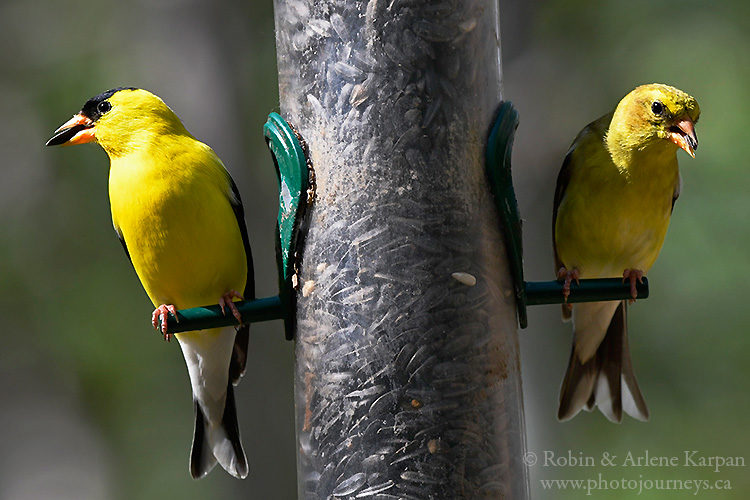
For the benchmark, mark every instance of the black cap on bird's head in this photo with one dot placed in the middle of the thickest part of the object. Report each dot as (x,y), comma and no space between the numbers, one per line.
(80,128)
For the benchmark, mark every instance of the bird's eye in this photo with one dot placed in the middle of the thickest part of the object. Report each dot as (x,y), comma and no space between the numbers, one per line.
(657,108)
(103,107)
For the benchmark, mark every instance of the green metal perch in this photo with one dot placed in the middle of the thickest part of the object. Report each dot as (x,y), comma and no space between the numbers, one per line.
(252,311)
(592,290)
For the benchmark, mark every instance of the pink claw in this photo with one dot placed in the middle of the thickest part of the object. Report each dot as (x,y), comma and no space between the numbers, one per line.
(568,276)
(159,316)
(633,275)
(226,301)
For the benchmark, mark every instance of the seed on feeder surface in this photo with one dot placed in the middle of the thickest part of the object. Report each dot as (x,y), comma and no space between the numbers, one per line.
(308,287)
(321,267)
(468,25)
(433,445)
(408,491)
(465,278)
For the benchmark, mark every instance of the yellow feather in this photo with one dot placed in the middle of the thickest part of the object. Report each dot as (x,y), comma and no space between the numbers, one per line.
(185,253)
(612,219)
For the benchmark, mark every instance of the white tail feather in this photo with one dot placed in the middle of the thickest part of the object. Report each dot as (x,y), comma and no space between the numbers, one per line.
(207,355)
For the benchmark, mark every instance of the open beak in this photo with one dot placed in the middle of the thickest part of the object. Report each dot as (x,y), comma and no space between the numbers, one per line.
(682,133)
(77,130)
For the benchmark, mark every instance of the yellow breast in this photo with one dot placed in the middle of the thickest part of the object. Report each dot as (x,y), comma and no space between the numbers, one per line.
(610,219)
(174,213)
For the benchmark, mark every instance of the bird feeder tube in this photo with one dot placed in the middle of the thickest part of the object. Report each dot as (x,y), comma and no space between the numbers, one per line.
(407,378)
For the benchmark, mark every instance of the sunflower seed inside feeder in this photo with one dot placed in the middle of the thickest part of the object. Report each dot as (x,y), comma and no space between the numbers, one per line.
(465,278)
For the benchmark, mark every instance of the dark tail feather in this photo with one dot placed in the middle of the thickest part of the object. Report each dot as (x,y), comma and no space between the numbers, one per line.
(239,354)
(203,455)
(202,459)
(607,393)
(232,430)
(590,403)
(577,387)
(567,312)
(606,380)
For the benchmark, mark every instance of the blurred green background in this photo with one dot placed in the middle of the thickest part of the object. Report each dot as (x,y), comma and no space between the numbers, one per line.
(95,406)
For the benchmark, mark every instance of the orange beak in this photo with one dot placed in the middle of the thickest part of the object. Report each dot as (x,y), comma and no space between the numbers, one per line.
(77,130)
(683,134)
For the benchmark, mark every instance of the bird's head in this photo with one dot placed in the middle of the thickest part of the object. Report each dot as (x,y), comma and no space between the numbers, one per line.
(120,120)
(655,114)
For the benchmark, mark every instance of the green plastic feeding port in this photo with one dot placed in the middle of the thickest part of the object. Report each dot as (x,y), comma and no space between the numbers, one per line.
(529,293)
(291,165)
(291,168)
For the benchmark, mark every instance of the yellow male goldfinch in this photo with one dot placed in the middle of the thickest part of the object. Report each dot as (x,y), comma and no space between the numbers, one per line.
(179,217)
(615,194)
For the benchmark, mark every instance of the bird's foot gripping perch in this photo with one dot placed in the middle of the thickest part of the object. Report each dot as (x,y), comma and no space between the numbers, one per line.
(633,275)
(159,319)
(568,277)
(226,301)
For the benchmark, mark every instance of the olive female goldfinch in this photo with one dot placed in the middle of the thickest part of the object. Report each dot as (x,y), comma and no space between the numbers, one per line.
(615,194)
(180,219)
